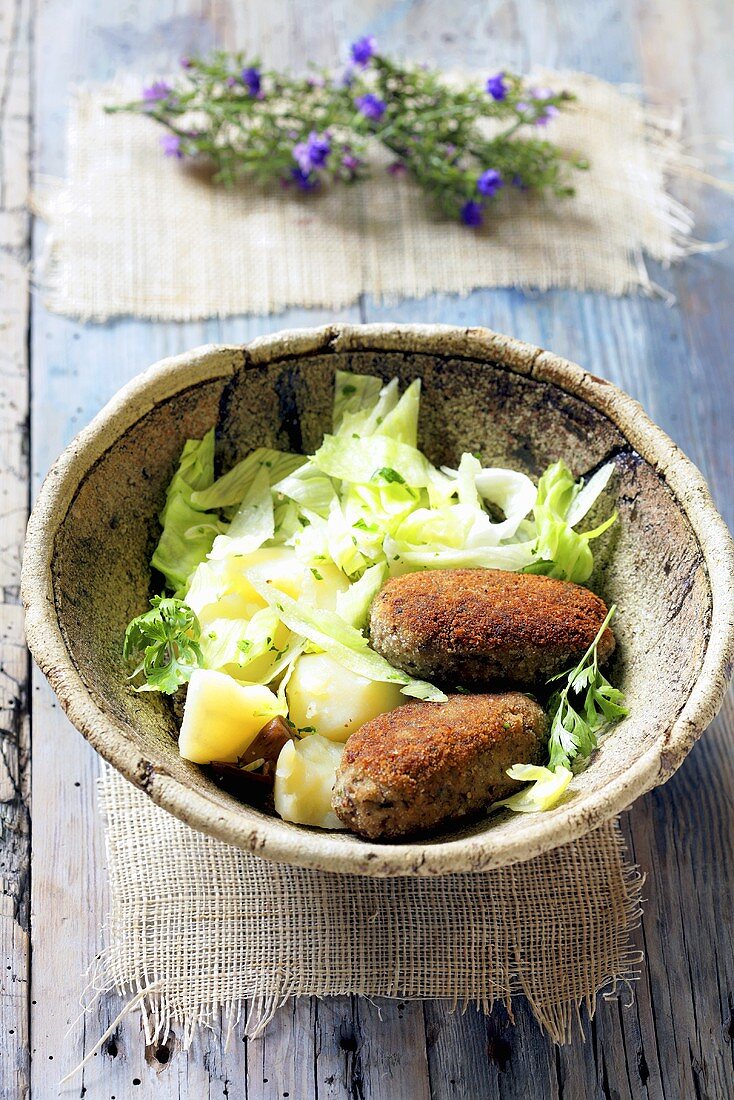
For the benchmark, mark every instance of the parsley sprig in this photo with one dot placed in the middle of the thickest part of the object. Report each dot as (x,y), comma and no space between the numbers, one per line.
(167,639)
(580,709)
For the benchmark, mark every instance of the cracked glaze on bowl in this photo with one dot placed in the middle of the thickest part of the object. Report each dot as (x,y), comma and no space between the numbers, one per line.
(668,563)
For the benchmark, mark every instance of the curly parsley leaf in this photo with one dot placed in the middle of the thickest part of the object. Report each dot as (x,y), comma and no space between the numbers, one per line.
(579,710)
(166,639)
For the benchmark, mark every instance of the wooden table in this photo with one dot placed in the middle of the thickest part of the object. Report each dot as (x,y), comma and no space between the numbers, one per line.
(676,1039)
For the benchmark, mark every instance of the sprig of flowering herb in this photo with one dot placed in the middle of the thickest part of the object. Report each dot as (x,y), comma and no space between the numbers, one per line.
(462,145)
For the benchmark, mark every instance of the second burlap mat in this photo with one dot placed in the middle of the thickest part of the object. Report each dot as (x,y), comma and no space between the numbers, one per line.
(132,232)
(198,928)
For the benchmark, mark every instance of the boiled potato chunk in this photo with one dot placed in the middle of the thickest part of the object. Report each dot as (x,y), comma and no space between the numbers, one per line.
(328,698)
(222,717)
(220,588)
(304,778)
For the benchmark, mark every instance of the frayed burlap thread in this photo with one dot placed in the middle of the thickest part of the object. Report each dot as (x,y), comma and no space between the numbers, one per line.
(198,928)
(134,233)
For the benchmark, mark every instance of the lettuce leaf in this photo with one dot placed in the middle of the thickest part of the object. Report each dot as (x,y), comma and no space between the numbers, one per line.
(233,487)
(402,558)
(310,488)
(256,651)
(372,459)
(512,492)
(253,523)
(588,494)
(365,415)
(353,606)
(546,790)
(560,551)
(354,395)
(188,529)
(401,423)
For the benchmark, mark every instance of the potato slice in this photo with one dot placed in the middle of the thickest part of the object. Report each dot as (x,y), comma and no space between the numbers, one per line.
(304,778)
(221,717)
(328,698)
(221,588)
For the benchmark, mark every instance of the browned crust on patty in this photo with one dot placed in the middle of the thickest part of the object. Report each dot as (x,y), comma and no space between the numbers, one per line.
(416,767)
(477,627)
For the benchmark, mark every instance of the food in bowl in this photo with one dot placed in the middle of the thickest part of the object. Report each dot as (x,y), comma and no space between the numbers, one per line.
(312,596)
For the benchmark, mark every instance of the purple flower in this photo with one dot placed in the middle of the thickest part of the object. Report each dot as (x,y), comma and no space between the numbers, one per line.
(396,168)
(171,145)
(231,81)
(305,180)
(158,90)
(518,182)
(496,86)
(363,49)
(371,106)
(348,77)
(471,213)
(549,112)
(350,162)
(252,80)
(489,182)
(312,153)
(186,63)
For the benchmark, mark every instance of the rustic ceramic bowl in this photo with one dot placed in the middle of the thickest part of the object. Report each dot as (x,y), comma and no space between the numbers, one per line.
(668,563)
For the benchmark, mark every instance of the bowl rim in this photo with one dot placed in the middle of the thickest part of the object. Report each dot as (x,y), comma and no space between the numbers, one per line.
(272,839)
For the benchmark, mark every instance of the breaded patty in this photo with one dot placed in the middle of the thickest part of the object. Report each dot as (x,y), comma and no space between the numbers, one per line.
(483,627)
(423,764)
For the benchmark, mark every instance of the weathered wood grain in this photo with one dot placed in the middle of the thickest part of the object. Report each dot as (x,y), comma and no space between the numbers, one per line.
(676,1041)
(14,664)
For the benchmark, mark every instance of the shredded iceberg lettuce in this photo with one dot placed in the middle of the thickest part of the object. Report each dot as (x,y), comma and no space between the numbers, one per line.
(309,488)
(188,529)
(357,395)
(353,605)
(374,459)
(233,487)
(253,523)
(559,550)
(547,786)
(401,423)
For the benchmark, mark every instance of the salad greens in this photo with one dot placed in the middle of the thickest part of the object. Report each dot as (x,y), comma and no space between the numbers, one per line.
(369,496)
(547,787)
(188,530)
(561,503)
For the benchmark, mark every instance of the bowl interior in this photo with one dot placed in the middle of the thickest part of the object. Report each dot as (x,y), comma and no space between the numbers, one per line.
(650,563)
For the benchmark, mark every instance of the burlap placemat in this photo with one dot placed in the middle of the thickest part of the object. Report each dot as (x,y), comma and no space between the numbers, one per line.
(197,928)
(132,232)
